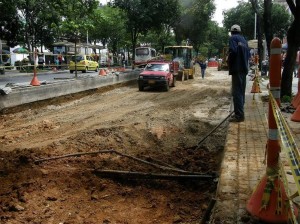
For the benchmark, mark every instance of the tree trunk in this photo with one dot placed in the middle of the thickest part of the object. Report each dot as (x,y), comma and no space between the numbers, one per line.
(134,37)
(267,23)
(293,39)
(289,63)
(259,39)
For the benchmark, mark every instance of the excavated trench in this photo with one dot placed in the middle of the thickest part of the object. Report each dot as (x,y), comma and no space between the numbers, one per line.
(118,155)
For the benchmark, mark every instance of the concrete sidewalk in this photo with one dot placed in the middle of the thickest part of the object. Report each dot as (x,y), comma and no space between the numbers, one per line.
(242,167)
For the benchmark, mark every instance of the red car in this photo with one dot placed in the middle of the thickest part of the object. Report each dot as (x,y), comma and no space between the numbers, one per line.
(158,74)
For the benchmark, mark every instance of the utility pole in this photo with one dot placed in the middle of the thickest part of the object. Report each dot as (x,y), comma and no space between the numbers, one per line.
(2,70)
(255,21)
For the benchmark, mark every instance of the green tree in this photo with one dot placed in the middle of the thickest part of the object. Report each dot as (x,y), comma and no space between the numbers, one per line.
(10,24)
(29,11)
(76,20)
(242,15)
(159,38)
(195,22)
(100,32)
(275,20)
(108,27)
(143,16)
(217,40)
(44,32)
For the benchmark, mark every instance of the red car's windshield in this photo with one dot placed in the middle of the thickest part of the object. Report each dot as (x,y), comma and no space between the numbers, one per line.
(157,67)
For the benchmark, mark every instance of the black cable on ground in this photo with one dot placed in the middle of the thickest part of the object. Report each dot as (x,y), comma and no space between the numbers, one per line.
(203,139)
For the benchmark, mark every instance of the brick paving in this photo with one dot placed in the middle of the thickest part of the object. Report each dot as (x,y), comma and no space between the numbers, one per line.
(243,163)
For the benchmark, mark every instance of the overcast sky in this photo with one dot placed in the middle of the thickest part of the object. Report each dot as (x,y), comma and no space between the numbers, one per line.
(222,5)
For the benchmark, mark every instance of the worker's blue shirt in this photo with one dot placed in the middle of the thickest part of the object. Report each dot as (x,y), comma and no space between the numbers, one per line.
(239,54)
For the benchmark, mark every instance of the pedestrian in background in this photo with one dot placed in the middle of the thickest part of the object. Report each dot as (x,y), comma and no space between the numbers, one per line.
(41,61)
(56,62)
(238,63)
(203,68)
(60,59)
(265,67)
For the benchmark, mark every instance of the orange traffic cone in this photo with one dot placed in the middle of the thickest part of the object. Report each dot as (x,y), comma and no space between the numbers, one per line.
(255,86)
(102,72)
(265,200)
(296,100)
(296,114)
(269,200)
(35,81)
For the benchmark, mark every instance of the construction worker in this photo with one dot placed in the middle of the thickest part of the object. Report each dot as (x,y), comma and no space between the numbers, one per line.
(238,63)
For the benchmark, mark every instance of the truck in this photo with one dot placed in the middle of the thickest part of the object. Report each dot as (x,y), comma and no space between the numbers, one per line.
(106,58)
(143,55)
(158,73)
(222,63)
(183,55)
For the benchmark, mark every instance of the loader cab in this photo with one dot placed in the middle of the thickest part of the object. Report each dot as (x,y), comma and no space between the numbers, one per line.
(182,54)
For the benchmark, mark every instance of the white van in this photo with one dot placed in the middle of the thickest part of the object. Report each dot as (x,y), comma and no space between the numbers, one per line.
(106,58)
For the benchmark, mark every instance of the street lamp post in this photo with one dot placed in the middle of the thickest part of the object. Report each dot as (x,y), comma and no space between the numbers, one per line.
(255,21)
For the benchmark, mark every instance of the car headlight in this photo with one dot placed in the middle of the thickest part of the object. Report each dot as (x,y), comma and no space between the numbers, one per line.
(141,77)
(163,77)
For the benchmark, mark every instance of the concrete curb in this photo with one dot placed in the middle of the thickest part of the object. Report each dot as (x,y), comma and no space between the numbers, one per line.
(29,94)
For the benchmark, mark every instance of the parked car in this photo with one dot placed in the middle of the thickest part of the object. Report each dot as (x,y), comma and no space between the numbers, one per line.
(158,74)
(212,62)
(84,63)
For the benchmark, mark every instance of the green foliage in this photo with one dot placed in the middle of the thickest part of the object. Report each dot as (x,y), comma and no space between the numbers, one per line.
(244,15)
(43,30)
(143,16)
(76,17)
(216,41)
(108,27)
(286,99)
(159,38)
(10,22)
(125,23)
(281,20)
(194,22)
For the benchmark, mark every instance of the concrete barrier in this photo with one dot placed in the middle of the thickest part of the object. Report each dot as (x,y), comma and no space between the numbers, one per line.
(29,94)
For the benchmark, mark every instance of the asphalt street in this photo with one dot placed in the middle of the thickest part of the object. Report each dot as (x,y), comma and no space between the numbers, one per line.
(17,78)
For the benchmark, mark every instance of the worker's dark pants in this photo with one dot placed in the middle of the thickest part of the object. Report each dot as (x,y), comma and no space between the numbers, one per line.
(202,73)
(238,94)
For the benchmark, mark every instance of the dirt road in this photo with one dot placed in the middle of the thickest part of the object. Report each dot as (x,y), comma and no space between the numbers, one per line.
(156,126)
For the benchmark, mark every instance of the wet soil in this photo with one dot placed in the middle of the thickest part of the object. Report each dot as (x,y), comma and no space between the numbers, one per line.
(133,157)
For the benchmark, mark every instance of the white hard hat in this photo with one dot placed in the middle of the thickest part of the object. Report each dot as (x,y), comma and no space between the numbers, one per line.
(235,28)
